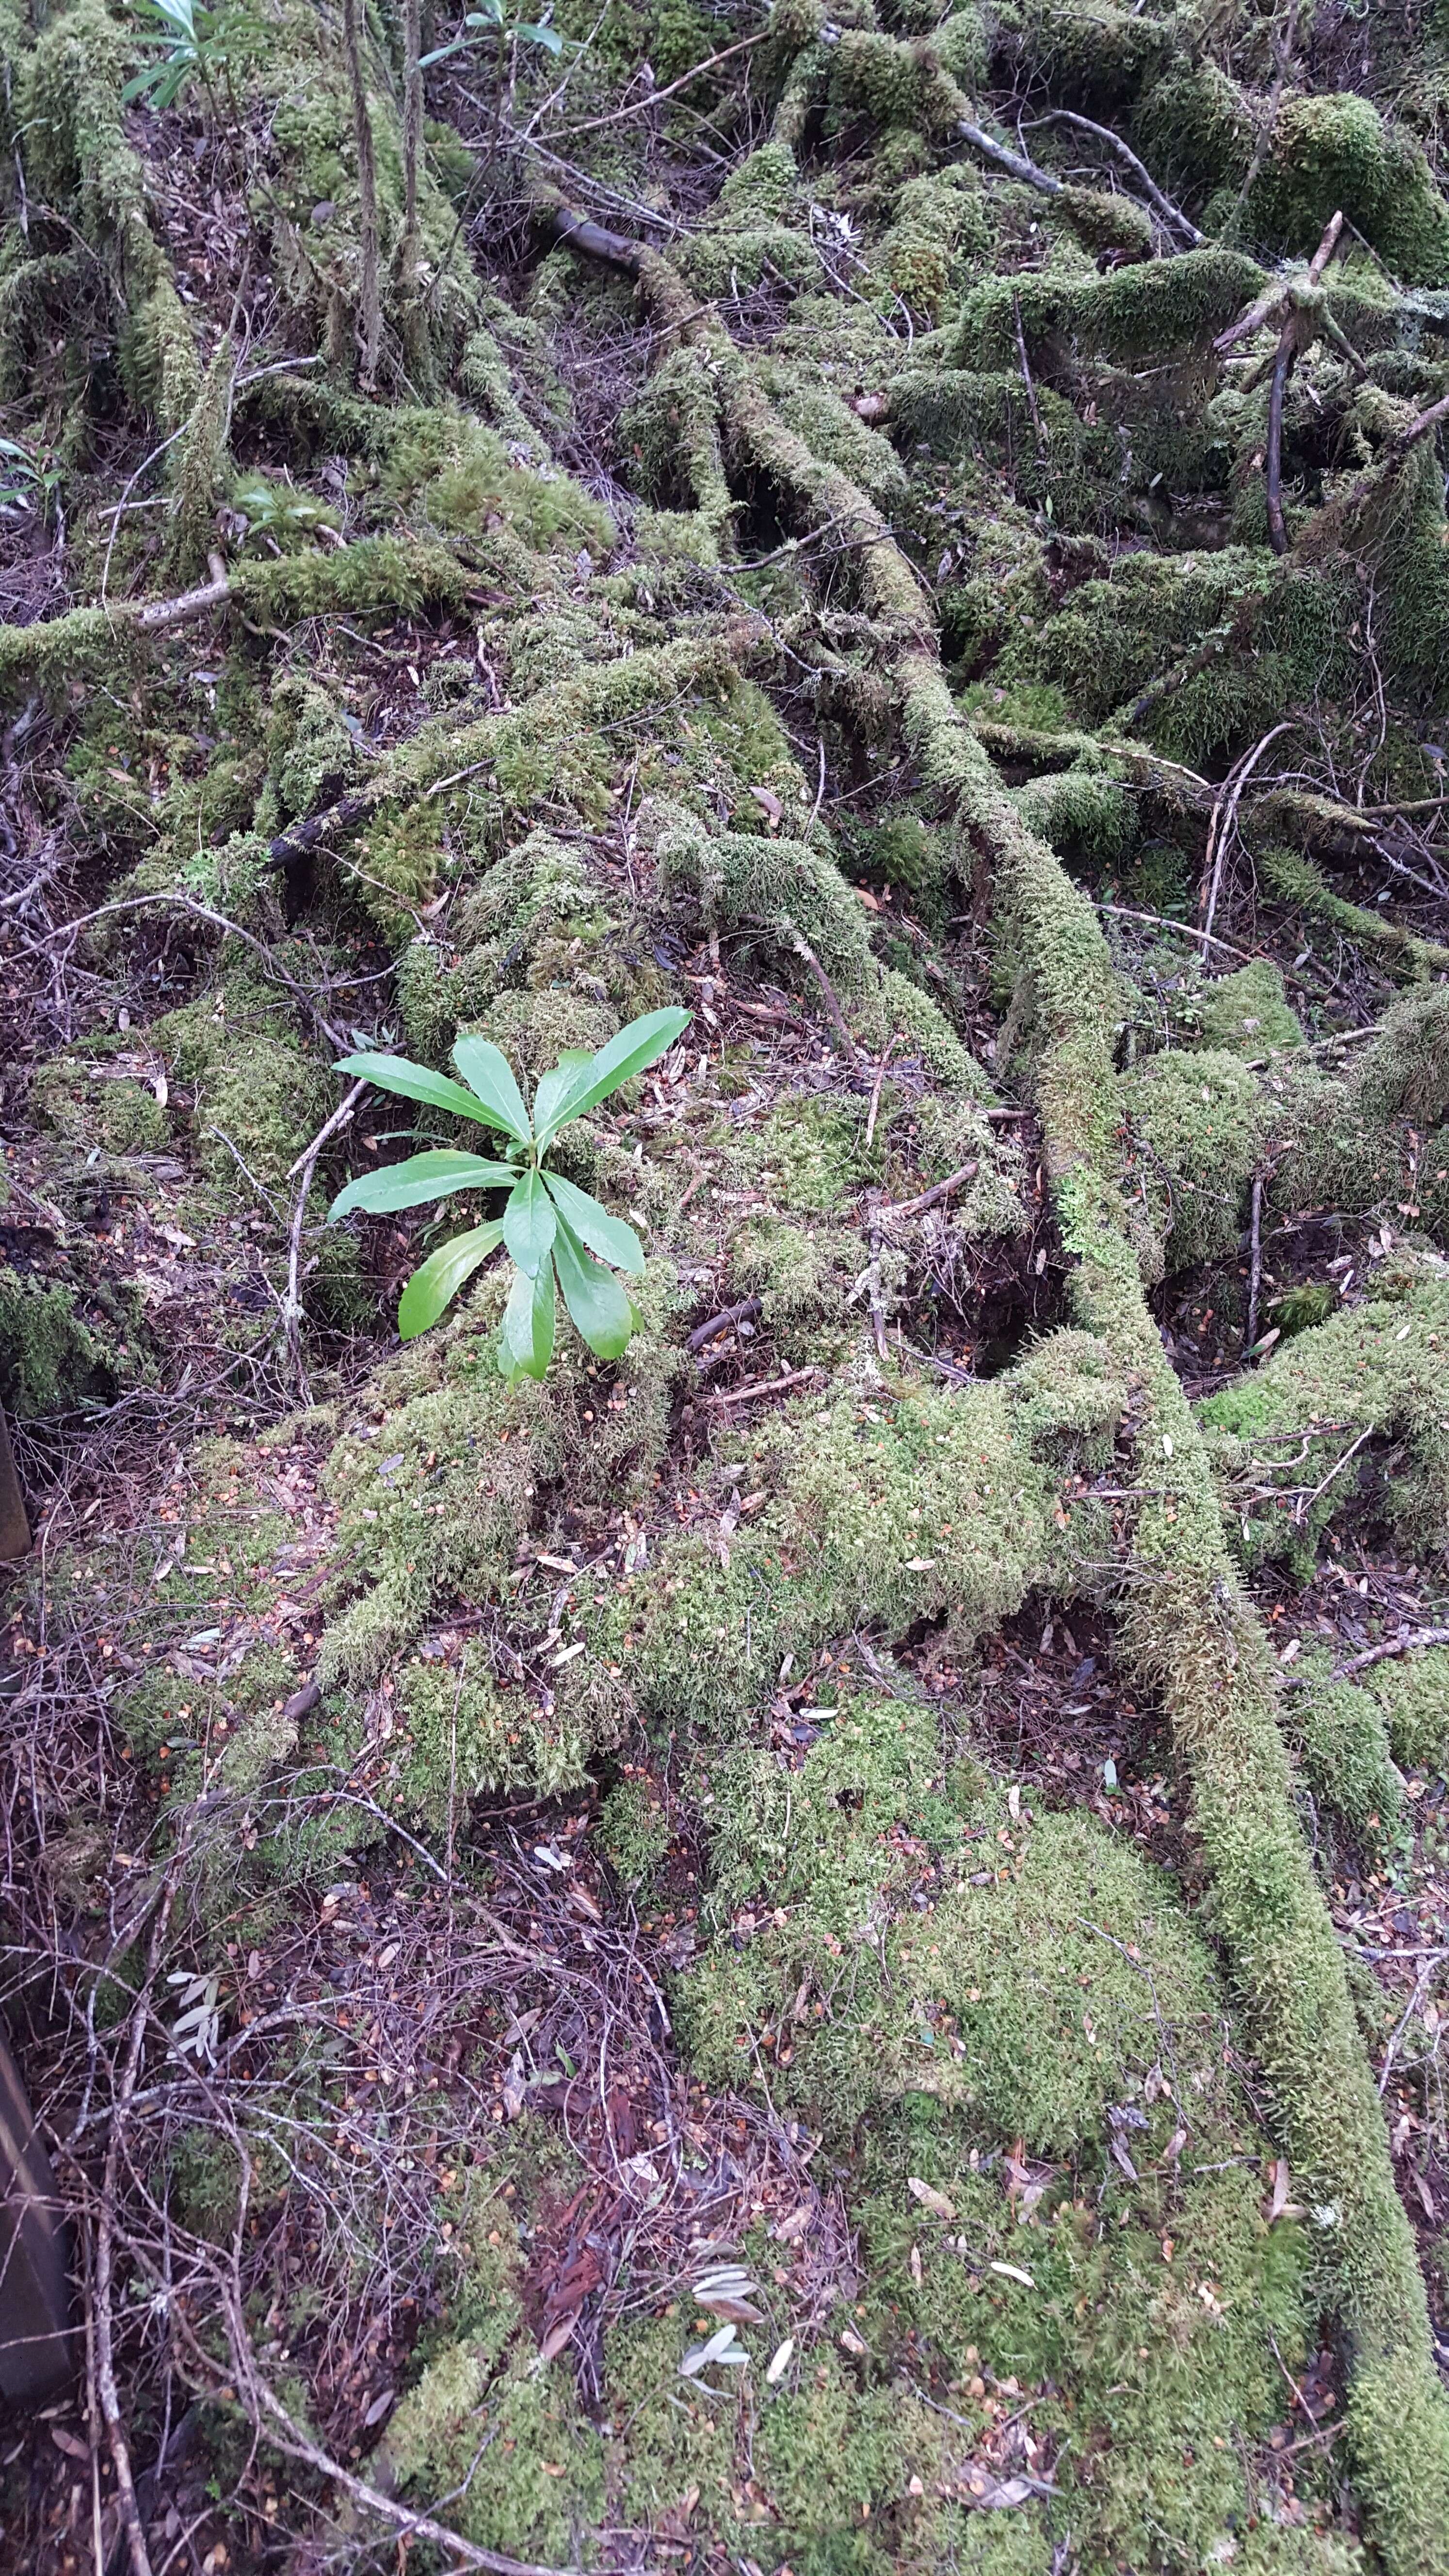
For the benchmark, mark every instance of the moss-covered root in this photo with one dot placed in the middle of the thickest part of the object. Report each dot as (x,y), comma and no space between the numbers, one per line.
(1193,1633)
(1295,879)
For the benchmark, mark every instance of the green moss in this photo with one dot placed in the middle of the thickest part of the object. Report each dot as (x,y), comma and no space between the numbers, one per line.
(1369,1372)
(635,1829)
(1343,1743)
(1147,311)
(256,1094)
(1195,128)
(1411,1693)
(1098,55)
(748,882)
(132,1120)
(1335,151)
(1245,1013)
(1198,1126)
(889,1508)
(939,228)
(1083,813)
(49,1359)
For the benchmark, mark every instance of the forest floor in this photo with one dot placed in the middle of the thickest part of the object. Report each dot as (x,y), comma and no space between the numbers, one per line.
(821,1944)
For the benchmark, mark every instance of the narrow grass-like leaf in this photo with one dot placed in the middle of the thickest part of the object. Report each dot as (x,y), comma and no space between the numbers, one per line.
(437,1283)
(525,1344)
(593,1297)
(487,1071)
(419,1082)
(421,1177)
(529,1224)
(608,1236)
(635,1047)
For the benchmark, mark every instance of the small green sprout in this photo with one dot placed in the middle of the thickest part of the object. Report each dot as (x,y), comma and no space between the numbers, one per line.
(197,43)
(551,1231)
(492,20)
(30,479)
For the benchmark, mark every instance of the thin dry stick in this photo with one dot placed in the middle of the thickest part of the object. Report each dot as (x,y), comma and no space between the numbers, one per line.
(1399,1646)
(1224,819)
(290,2437)
(219,921)
(765,1386)
(412,139)
(1255,1273)
(1172,215)
(877,1303)
(880,1073)
(1189,930)
(929,1198)
(1022,362)
(806,953)
(743,1313)
(301,1172)
(819,793)
(370,296)
(105,2244)
(640,107)
(1283,359)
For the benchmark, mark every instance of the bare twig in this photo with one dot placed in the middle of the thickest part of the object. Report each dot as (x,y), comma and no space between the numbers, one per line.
(745,1312)
(764,1386)
(875,1090)
(1172,215)
(929,1198)
(302,1171)
(640,107)
(1255,1272)
(1224,819)
(173,902)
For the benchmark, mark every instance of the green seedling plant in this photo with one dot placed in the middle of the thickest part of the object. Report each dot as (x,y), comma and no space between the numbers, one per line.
(195,43)
(30,480)
(492,21)
(555,1235)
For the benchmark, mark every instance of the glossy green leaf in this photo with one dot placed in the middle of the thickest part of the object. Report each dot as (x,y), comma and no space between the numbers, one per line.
(606,1235)
(553,1084)
(421,1177)
(529,1224)
(487,1071)
(594,1298)
(437,1283)
(525,1344)
(637,1046)
(419,1082)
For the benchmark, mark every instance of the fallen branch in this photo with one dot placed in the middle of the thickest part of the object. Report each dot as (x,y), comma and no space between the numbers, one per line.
(743,1313)
(218,921)
(302,1171)
(928,1198)
(1172,215)
(765,1386)
(656,97)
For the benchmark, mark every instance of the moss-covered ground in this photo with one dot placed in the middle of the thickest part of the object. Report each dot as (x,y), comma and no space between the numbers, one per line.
(821,1948)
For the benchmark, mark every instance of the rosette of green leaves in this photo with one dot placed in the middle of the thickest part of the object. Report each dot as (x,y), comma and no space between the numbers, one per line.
(554,1234)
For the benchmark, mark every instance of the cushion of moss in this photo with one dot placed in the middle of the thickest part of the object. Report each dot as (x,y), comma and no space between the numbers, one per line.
(1411,1693)
(1197,1122)
(1343,1743)
(1335,152)
(1245,1013)
(435,1505)
(48,1356)
(1376,1367)
(891,1508)
(1153,2363)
